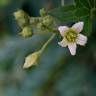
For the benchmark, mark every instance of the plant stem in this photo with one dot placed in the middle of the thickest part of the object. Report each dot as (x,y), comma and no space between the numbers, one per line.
(48,41)
(50,29)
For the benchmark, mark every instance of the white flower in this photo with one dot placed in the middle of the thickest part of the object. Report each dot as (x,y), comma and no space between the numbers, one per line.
(72,36)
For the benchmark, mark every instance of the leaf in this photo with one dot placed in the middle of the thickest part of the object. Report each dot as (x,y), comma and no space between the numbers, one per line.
(65,13)
(78,4)
(87,26)
(82,12)
(69,13)
(94,3)
(84,3)
(93,14)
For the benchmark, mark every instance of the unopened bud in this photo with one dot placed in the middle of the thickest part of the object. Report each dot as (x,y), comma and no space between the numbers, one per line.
(22,18)
(26,32)
(48,20)
(32,59)
(43,12)
(41,26)
(19,14)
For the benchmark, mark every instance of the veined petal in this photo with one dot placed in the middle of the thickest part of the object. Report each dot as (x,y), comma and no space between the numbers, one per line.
(78,27)
(81,40)
(63,30)
(72,48)
(63,43)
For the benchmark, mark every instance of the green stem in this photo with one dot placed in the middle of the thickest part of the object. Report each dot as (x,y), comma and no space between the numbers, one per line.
(48,41)
(50,29)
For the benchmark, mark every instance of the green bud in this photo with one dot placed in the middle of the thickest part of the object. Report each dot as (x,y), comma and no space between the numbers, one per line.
(22,18)
(41,26)
(26,32)
(19,14)
(43,12)
(32,59)
(48,20)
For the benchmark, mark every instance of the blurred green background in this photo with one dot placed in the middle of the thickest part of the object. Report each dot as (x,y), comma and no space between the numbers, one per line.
(58,73)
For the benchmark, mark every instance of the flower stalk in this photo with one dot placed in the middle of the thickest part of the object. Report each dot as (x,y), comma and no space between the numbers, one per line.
(33,58)
(48,41)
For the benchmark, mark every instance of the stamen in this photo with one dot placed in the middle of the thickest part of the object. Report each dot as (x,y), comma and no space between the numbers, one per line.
(71,36)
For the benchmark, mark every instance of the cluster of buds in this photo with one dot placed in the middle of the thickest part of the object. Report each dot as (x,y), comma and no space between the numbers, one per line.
(23,20)
(28,24)
(45,21)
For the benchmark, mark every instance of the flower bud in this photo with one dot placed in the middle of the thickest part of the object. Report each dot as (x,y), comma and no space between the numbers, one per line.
(22,18)
(43,12)
(26,32)
(48,20)
(40,26)
(18,14)
(32,59)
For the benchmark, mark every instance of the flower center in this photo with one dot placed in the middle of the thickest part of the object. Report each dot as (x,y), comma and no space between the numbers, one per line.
(71,36)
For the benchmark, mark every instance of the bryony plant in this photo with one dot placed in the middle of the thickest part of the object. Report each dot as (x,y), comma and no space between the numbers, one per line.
(82,13)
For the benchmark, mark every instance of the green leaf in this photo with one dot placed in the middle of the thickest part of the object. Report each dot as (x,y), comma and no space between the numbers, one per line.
(93,14)
(94,3)
(84,3)
(87,26)
(69,13)
(82,12)
(65,13)
(78,4)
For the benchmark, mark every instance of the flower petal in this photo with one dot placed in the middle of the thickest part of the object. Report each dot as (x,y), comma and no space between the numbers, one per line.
(63,29)
(78,26)
(81,40)
(63,43)
(72,48)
